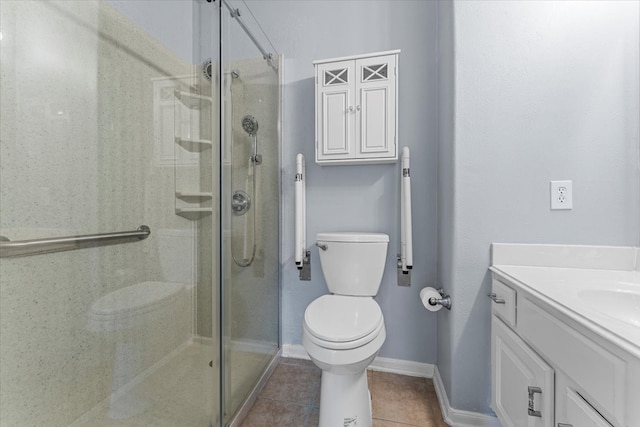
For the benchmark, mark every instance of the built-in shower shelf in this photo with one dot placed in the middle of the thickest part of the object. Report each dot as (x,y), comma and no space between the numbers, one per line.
(193,100)
(194,145)
(194,213)
(193,197)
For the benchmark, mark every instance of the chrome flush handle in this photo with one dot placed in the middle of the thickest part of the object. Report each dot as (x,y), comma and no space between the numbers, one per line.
(322,246)
(495,298)
(531,410)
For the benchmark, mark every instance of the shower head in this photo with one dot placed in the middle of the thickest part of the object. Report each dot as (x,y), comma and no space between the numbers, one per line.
(250,124)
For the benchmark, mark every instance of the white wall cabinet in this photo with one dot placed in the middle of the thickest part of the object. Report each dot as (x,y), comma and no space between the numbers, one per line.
(356,109)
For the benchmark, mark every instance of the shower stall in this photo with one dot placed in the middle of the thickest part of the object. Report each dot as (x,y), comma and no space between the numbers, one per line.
(139,211)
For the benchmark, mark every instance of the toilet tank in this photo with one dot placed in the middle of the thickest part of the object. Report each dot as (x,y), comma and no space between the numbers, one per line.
(353,263)
(177,256)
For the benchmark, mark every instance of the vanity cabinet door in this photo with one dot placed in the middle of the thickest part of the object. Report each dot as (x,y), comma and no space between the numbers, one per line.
(522,392)
(574,411)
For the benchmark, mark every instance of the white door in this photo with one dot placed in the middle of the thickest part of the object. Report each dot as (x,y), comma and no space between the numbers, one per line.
(375,106)
(336,110)
(522,383)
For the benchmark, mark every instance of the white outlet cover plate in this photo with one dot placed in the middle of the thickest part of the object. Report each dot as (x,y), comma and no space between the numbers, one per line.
(561,193)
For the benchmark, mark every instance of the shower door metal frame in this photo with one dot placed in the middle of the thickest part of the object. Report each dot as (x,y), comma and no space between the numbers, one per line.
(244,408)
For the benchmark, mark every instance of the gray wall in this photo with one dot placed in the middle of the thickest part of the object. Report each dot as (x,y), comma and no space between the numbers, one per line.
(542,91)
(168,21)
(361,197)
(446,173)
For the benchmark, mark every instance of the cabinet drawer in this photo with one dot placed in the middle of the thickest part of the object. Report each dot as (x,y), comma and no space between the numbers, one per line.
(504,304)
(600,373)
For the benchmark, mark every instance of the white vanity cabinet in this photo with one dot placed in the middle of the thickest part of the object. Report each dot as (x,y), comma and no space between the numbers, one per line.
(356,109)
(548,370)
(523,382)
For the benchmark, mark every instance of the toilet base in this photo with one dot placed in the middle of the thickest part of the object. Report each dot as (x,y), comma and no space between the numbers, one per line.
(345,400)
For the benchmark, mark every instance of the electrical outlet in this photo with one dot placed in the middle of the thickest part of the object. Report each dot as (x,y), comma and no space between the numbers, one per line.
(561,195)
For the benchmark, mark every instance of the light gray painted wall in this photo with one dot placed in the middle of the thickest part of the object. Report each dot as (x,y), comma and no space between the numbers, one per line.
(168,21)
(446,173)
(543,91)
(361,197)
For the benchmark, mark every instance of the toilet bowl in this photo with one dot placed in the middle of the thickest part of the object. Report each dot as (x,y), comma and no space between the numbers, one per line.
(343,332)
(132,314)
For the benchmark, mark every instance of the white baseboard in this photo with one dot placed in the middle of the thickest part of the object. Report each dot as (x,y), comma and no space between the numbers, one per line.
(294,351)
(452,416)
(253,346)
(402,367)
(456,417)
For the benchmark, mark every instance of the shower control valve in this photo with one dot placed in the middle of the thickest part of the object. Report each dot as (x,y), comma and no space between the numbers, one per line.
(240,202)
(256,159)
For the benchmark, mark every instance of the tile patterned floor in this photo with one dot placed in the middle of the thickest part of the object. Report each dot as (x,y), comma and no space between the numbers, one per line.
(291,398)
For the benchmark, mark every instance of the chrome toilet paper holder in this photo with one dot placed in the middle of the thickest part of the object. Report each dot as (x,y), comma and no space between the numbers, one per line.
(445,301)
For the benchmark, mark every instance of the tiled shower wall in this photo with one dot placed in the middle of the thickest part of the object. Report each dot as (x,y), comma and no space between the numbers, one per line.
(79,155)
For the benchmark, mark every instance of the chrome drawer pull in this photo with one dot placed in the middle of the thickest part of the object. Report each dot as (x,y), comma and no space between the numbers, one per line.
(532,411)
(496,299)
(564,425)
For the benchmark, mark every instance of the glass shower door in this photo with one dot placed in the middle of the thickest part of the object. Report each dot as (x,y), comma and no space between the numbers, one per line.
(250,191)
(106,124)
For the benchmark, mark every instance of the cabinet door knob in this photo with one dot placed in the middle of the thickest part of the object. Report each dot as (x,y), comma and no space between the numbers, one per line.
(495,299)
(531,410)
(358,107)
(351,108)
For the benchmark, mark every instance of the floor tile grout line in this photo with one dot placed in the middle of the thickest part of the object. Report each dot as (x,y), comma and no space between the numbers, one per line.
(307,416)
(284,401)
(397,422)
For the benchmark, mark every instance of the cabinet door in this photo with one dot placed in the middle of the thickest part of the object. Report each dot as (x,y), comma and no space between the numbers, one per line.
(376,107)
(335,111)
(574,411)
(521,381)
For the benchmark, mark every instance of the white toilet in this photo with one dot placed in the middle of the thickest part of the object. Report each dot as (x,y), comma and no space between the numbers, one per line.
(344,331)
(144,313)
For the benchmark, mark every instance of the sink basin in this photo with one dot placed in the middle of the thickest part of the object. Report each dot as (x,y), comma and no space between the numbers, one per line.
(623,305)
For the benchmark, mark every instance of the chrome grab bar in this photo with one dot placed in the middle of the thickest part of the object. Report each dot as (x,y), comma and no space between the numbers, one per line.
(54,244)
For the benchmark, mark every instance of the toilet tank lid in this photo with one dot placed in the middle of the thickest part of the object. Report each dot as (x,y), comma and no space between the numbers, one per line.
(351,236)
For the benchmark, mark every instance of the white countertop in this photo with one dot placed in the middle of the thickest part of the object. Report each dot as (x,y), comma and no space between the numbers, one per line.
(596,286)
(577,291)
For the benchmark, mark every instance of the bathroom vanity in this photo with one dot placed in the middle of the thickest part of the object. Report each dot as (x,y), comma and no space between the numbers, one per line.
(565,335)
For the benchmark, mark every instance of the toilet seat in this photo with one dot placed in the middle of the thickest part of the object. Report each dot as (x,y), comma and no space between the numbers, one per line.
(343,322)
